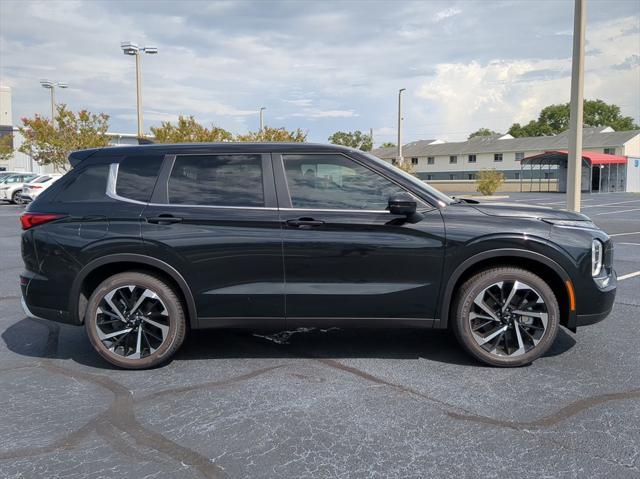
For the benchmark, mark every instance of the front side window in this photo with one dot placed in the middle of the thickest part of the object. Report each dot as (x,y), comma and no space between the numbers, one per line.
(335,182)
(217,180)
(137,177)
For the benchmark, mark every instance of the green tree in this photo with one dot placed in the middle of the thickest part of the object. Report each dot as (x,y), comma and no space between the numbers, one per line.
(6,147)
(488,181)
(277,135)
(354,139)
(554,119)
(388,144)
(483,132)
(188,130)
(49,143)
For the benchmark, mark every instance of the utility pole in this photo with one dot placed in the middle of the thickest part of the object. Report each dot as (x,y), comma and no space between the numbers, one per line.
(371,136)
(132,49)
(400,160)
(51,86)
(262,119)
(574,167)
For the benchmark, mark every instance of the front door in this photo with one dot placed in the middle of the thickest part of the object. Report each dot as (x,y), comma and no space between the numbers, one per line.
(347,258)
(214,218)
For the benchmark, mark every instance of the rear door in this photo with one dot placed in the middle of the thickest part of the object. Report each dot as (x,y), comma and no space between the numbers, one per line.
(347,258)
(214,218)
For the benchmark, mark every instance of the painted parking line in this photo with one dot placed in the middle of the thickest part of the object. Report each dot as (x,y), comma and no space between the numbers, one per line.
(628,276)
(614,212)
(626,234)
(610,204)
(632,244)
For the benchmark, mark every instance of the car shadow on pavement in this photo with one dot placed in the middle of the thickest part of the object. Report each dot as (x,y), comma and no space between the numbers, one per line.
(46,339)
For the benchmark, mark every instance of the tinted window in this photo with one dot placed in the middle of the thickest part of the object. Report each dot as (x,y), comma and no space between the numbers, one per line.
(217,180)
(137,177)
(335,182)
(90,184)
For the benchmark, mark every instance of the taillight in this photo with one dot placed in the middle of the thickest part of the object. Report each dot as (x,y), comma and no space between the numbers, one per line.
(31,187)
(29,220)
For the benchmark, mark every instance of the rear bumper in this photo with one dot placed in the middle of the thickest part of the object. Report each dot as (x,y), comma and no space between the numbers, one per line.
(28,282)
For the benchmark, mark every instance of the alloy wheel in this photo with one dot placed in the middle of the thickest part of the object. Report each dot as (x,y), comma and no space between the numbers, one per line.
(132,321)
(508,318)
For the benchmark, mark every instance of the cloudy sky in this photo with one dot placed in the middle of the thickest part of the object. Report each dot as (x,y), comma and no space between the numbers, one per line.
(320,65)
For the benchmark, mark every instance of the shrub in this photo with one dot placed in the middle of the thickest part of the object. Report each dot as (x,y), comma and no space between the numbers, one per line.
(488,181)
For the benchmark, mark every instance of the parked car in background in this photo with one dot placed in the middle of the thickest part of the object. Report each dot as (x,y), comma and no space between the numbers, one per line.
(141,243)
(33,188)
(4,174)
(11,187)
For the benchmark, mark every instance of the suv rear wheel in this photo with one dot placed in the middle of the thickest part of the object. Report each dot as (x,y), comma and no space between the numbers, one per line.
(135,320)
(506,316)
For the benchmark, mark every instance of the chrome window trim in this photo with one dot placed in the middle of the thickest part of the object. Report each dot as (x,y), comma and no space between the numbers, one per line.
(111,186)
(220,207)
(327,210)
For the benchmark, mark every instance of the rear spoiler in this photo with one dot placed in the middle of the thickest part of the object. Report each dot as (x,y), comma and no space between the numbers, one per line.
(76,157)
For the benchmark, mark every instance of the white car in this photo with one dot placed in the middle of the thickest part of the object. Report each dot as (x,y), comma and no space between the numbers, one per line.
(11,187)
(33,188)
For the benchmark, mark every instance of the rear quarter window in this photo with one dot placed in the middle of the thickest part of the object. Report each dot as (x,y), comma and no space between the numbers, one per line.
(90,184)
(137,177)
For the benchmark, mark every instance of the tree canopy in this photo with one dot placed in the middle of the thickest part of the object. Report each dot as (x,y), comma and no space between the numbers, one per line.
(6,147)
(483,132)
(388,144)
(554,119)
(49,143)
(188,130)
(354,139)
(270,134)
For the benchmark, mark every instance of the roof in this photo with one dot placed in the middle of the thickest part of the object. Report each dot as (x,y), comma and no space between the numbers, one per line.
(76,157)
(591,138)
(561,156)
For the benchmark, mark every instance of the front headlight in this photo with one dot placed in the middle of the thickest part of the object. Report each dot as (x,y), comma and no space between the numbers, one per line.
(572,223)
(597,250)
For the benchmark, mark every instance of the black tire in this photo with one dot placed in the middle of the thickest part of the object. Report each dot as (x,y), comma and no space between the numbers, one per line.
(486,283)
(166,300)
(16,197)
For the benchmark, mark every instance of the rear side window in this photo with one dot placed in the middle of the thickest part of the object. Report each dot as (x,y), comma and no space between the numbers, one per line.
(217,180)
(90,184)
(137,176)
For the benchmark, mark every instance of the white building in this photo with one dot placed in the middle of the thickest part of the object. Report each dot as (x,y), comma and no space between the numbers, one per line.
(453,166)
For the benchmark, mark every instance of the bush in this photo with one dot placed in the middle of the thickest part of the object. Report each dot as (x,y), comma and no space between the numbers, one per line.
(488,181)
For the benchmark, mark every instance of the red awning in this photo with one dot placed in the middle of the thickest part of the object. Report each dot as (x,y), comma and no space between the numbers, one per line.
(591,156)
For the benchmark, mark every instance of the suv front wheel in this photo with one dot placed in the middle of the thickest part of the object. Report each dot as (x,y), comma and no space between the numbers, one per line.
(506,316)
(135,320)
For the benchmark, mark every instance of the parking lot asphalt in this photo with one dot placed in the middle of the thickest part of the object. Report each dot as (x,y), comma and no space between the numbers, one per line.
(334,403)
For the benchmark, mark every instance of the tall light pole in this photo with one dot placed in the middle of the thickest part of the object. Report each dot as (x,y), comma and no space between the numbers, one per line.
(262,108)
(133,49)
(51,86)
(400,160)
(574,171)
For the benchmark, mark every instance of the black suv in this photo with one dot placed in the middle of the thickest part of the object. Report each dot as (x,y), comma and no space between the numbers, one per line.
(141,243)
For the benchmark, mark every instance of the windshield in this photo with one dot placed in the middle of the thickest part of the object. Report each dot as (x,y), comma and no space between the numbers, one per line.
(414,180)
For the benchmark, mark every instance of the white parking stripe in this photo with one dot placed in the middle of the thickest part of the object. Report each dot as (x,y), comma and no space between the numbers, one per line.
(633,244)
(625,234)
(614,212)
(628,276)
(609,204)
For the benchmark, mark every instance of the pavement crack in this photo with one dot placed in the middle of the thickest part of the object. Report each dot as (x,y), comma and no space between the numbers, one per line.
(562,414)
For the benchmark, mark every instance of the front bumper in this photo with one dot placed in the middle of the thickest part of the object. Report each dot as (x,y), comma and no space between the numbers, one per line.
(599,305)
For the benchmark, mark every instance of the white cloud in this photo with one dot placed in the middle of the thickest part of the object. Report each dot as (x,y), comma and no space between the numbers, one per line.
(446,13)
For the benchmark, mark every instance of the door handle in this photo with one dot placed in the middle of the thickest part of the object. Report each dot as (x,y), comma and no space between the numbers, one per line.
(304,223)
(164,219)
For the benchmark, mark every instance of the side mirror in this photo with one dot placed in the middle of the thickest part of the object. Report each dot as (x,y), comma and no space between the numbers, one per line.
(402,204)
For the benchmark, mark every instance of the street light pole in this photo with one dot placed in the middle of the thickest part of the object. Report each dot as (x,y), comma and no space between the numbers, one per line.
(574,171)
(400,160)
(132,49)
(51,86)
(262,119)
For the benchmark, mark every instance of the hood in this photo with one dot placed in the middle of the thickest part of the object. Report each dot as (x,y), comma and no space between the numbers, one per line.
(528,211)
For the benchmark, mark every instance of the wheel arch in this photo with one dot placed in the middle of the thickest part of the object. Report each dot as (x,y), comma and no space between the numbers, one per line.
(549,270)
(99,269)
